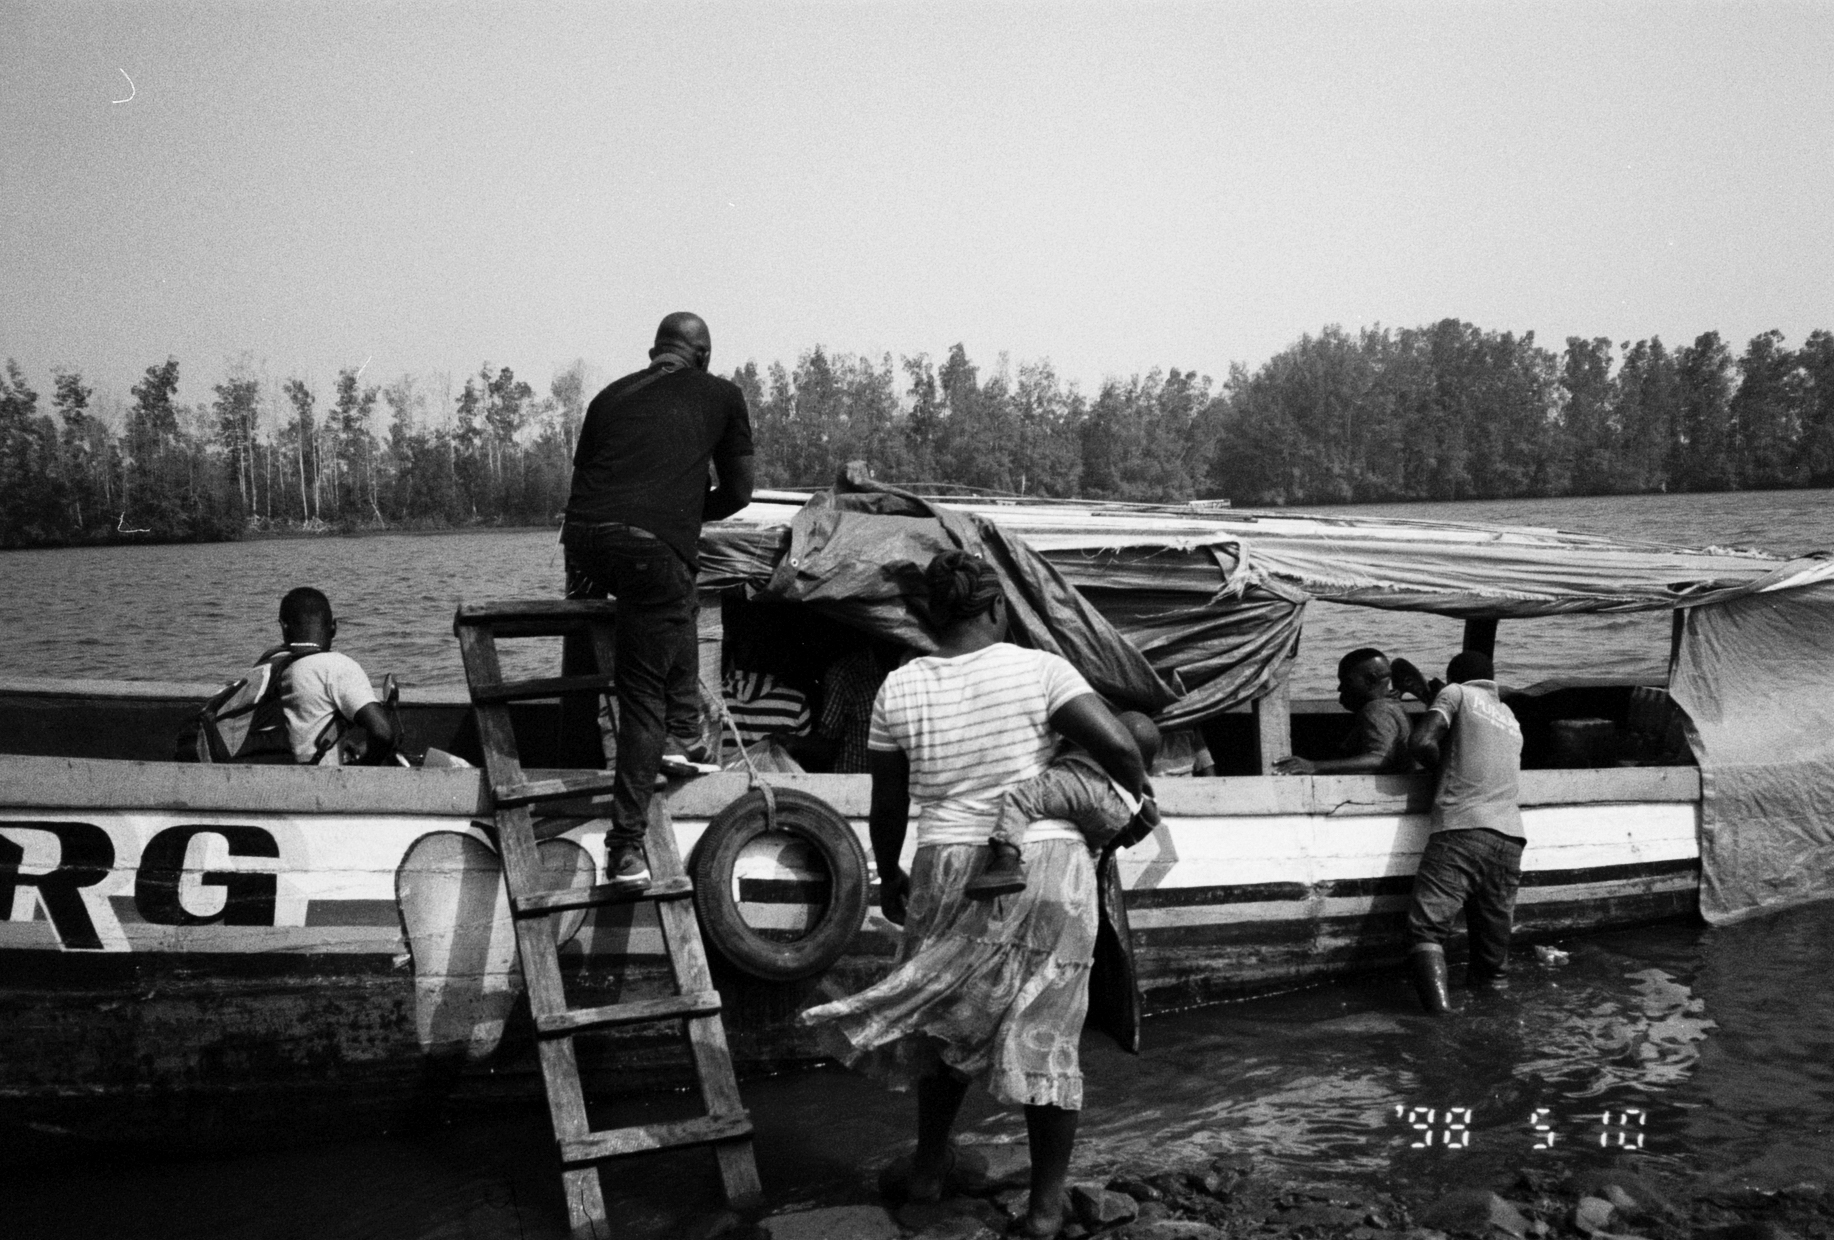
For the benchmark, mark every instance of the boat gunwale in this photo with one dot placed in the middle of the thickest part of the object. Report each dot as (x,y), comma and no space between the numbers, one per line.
(35,782)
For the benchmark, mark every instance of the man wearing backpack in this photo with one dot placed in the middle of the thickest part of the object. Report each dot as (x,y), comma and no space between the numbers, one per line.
(640,492)
(322,692)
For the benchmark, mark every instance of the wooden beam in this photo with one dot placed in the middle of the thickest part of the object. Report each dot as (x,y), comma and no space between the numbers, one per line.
(1274,724)
(1480,635)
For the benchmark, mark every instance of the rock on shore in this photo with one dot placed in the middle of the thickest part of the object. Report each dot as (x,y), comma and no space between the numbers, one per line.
(1226,1200)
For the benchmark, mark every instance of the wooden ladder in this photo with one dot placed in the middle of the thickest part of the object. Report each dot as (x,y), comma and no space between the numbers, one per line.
(726,1126)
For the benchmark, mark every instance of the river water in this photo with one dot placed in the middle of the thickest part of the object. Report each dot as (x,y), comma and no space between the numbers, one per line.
(202,613)
(1700,1055)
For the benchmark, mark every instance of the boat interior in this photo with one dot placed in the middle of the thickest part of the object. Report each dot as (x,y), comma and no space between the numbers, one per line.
(1574,722)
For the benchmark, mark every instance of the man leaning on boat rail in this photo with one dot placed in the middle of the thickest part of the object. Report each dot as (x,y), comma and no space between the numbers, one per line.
(1378,738)
(1473,858)
(640,492)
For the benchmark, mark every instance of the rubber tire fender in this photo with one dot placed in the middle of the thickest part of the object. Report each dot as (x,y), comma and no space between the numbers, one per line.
(711,866)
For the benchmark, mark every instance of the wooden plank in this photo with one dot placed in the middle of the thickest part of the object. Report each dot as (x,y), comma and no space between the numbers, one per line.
(541,903)
(1610,785)
(496,737)
(1480,635)
(573,610)
(605,645)
(1249,796)
(104,783)
(1274,724)
(586,1219)
(543,687)
(706,795)
(706,1036)
(611,1016)
(619,1142)
(519,791)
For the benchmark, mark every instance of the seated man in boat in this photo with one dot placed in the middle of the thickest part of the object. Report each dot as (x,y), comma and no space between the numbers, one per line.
(1073,787)
(324,692)
(1473,859)
(1377,742)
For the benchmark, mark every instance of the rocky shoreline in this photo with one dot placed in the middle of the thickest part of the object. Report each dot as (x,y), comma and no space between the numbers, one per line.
(1226,1199)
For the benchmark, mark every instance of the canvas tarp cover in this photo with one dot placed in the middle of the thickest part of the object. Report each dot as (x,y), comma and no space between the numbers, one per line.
(1756,678)
(1505,573)
(1181,654)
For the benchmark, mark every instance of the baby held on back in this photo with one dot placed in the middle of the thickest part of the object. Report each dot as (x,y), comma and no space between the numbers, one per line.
(1074,788)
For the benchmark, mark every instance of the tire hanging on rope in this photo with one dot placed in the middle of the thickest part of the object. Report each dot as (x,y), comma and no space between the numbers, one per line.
(810,819)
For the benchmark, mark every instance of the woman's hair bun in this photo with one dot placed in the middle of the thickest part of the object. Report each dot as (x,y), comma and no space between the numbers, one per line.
(958,586)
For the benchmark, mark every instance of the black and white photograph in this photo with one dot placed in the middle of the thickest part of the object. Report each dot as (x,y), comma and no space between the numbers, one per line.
(916,620)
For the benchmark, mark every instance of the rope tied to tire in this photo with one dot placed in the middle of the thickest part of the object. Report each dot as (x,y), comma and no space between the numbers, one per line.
(765,809)
(756,782)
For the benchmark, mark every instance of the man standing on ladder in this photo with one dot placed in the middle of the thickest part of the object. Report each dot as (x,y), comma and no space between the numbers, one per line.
(640,492)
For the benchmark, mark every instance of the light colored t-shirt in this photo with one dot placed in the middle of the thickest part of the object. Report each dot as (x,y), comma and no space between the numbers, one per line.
(1481,761)
(972,726)
(322,689)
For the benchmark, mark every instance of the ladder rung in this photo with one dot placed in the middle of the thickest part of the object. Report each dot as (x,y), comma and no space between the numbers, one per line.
(616,1142)
(552,686)
(522,793)
(541,903)
(562,613)
(584,1020)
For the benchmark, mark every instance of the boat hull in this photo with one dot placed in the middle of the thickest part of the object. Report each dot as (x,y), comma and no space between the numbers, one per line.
(189,953)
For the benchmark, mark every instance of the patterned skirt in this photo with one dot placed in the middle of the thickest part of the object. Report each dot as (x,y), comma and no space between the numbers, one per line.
(994,989)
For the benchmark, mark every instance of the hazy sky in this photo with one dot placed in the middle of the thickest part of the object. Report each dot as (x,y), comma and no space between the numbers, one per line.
(1112,187)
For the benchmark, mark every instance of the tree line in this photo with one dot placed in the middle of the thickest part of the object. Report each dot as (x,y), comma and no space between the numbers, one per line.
(1447,411)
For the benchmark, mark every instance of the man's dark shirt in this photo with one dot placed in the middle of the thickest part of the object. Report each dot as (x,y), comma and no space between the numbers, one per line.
(642,457)
(1381,727)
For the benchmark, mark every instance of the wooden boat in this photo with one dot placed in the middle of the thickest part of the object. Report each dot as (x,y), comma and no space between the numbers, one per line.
(194,953)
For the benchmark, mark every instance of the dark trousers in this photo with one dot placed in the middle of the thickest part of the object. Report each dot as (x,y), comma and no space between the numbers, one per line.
(1477,871)
(658,652)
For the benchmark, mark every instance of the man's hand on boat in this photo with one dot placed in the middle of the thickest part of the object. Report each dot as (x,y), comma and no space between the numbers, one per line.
(1295,766)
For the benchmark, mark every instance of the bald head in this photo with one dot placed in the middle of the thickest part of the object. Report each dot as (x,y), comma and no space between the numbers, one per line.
(685,336)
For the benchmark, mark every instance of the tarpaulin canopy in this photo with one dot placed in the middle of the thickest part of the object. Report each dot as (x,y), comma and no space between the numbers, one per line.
(1211,600)
(1183,634)
(1756,678)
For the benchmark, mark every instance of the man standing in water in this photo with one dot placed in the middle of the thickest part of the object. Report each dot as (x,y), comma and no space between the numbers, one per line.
(640,492)
(1473,859)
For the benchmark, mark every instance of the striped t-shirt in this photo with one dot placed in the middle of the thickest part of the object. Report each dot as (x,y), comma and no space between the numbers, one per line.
(761,706)
(972,726)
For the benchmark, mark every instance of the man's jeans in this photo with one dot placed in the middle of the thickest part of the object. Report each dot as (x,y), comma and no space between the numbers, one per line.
(658,653)
(1475,870)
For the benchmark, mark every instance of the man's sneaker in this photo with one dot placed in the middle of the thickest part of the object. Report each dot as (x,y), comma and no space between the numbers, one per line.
(681,757)
(625,864)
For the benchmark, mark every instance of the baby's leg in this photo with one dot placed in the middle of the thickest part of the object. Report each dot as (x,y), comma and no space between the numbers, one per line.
(1004,872)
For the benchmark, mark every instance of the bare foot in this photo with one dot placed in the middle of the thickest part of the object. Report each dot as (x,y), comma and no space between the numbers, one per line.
(1041,1226)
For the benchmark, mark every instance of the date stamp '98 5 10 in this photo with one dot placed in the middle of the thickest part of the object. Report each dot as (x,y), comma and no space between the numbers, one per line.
(1450,1127)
